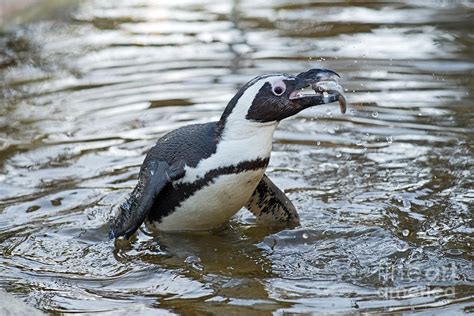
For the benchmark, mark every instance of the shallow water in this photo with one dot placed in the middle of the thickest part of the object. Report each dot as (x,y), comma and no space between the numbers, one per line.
(385,192)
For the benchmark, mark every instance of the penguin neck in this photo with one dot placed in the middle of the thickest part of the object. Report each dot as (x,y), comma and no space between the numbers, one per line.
(241,130)
(246,140)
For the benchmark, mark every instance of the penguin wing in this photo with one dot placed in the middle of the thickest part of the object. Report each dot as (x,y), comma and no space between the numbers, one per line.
(271,206)
(154,176)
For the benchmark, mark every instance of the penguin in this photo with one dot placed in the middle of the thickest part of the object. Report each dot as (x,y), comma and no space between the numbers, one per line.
(198,176)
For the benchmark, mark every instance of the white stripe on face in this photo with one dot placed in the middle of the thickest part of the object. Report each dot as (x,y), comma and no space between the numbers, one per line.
(241,109)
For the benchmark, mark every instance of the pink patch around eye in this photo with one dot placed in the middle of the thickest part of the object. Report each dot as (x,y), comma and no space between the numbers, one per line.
(278,87)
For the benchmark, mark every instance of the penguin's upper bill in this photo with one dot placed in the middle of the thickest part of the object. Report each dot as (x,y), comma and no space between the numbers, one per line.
(198,176)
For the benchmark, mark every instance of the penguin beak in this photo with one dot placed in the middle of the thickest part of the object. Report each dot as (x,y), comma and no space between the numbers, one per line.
(324,84)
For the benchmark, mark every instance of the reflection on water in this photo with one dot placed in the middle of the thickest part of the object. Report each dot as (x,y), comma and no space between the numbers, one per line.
(384,192)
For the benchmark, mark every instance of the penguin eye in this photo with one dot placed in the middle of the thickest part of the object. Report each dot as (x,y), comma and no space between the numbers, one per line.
(278,90)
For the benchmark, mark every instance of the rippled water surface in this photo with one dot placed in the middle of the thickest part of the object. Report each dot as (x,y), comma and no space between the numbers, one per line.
(385,192)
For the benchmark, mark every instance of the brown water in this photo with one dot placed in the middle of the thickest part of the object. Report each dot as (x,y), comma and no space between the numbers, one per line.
(385,192)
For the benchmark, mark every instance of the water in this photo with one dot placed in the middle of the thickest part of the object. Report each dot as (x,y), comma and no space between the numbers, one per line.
(385,192)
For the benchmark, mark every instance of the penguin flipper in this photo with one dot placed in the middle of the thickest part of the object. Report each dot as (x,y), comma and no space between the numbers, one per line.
(271,206)
(154,176)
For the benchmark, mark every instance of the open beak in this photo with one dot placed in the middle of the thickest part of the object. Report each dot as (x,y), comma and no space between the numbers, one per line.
(324,83)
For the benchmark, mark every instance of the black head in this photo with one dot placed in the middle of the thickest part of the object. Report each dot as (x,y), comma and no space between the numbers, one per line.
(275,97)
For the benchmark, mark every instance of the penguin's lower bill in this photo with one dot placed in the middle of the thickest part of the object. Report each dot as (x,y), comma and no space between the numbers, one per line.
(327,87)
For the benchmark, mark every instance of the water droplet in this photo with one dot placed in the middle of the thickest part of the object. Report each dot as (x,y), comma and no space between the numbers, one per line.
(33,208)
(56,202)
(389,139)
(405,232)
(318,143)
(406,204)
(352,112)
(375,114)
(305,236)
(192,259)
(359,142)
(403,246)
(455,252)
(338,155)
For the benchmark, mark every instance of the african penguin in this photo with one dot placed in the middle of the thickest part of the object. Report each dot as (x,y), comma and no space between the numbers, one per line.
(198,176)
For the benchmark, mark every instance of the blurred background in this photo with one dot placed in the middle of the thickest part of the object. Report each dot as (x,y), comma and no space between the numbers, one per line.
(385,192)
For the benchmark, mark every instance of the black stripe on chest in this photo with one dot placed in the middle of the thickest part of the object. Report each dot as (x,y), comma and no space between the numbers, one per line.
(171,197)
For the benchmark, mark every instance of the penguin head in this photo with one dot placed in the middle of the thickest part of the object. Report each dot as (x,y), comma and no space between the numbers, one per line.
(271,98)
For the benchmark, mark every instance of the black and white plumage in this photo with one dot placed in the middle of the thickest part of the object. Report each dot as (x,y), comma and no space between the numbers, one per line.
(198,176)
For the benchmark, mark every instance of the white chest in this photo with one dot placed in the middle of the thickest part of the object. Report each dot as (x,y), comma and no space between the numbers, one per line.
(214,204)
